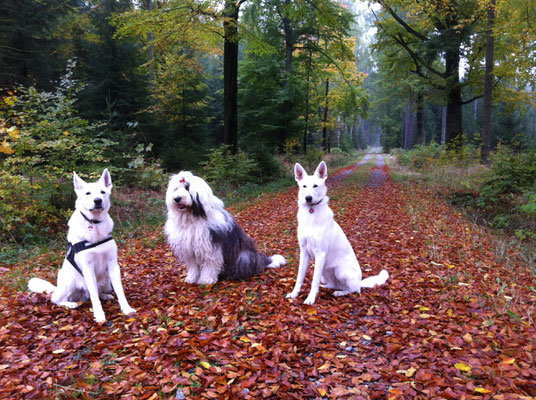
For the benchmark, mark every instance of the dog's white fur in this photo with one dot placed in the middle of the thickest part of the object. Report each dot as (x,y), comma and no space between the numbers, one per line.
(98,264)
(206,238)
(322,240)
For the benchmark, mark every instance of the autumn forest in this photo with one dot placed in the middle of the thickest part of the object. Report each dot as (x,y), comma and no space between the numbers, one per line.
(425,113)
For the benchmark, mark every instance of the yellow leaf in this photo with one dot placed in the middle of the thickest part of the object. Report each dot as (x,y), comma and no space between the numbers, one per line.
(408,372)
(245,339)
(323,367)
(462,367)
(450,266)
(70,366)
(205,364)
(424,316)
(468,338)
(482,390)
(322,391)
(66,133)
(423,308)
(6,148)
(13,132)
(508,361)
(450,313)
(367,337)
(311,311)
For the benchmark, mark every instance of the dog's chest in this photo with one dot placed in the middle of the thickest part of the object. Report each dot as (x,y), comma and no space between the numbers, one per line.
(312,229)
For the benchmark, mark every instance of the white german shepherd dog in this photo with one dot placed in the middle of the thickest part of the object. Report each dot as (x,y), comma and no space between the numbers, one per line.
(90,269)
(322,240)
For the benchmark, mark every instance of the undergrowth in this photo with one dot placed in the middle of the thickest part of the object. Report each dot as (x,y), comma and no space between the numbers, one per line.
(501,196)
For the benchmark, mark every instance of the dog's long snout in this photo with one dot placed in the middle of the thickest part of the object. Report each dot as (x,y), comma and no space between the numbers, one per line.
(308,199)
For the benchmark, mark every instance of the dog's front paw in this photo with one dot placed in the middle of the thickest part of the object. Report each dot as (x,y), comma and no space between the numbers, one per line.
(340,293)
(207,281)
(70,304)
(99,317)
(309,300)
(128,310)
(292,295)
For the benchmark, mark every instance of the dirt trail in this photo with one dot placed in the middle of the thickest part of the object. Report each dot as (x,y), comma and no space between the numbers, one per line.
(451,323)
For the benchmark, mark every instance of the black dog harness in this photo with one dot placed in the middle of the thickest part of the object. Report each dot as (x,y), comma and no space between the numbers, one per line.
(73,249)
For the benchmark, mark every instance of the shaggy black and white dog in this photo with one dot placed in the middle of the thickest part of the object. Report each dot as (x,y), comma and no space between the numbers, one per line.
(206,238)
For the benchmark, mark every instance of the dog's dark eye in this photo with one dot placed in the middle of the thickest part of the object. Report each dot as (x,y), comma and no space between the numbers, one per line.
(88,193)
(305,186)
(315,186)
(187,186)
(102,192)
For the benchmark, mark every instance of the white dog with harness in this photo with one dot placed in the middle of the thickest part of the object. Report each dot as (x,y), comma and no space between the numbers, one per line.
(90,269)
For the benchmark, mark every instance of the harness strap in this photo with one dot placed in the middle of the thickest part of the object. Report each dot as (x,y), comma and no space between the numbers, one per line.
(73,249)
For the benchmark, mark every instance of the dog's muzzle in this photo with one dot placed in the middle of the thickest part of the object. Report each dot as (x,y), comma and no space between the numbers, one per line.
(178,200)
(97,201)
(308,199)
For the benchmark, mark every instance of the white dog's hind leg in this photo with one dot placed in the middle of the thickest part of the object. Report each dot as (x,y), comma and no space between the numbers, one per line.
(61,295)
(115,278)
(320,260)
(302,269)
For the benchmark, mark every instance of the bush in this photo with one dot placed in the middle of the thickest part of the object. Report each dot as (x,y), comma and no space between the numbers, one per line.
(223,167)
(50,142)
(511,173)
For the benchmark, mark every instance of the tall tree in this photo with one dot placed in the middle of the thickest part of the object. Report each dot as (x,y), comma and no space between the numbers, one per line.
(433,35)
(488,85)
(30,43)
(230,73)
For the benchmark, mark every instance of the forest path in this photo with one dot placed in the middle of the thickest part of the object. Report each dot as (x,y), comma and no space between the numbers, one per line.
(451,322)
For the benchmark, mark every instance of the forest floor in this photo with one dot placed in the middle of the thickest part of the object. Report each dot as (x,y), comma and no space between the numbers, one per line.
(452,322)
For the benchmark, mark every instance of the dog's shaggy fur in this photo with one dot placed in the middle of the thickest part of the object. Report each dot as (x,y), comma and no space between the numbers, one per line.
(206,238)
(98,275)
(322,240)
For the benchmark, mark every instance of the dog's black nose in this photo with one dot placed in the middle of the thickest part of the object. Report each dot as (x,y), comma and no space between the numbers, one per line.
(178,199)
(97,201)
(308,199)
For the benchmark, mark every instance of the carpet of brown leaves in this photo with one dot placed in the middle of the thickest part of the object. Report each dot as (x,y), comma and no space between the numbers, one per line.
(451,323)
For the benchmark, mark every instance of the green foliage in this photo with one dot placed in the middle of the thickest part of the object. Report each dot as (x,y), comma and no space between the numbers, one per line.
(52,141)
(423,157)
(512,173)
(147,174)
(223,167)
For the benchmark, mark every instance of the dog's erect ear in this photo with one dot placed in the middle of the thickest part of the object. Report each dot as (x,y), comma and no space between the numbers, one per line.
(299,172)
(322,170)
(106,179)
(78,182)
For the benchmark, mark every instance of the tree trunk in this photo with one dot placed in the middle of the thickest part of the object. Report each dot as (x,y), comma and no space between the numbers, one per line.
(325,145)
(306,128)
(444,125)
(287,104)
(454,97)
(230,74)
(421,134)
(488,86)
(149,4)
(409,127)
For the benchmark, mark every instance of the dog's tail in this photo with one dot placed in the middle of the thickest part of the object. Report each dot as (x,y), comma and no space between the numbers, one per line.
(374,280)
(39,286)
(276,261)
